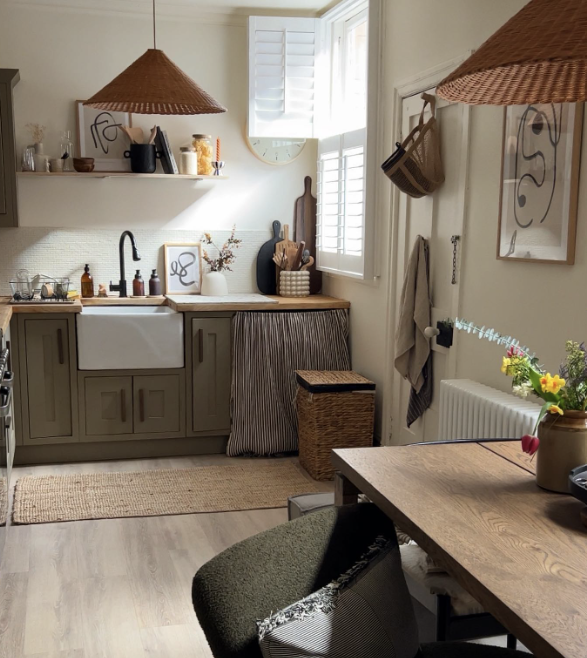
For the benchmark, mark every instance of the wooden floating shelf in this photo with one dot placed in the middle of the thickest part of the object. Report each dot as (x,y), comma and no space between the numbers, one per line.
(112,174)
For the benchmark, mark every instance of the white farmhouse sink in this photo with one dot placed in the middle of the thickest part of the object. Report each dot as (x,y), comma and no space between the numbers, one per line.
(129,337)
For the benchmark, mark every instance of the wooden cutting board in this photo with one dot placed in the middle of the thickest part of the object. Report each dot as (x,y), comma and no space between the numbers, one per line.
(265,265)
(305,229)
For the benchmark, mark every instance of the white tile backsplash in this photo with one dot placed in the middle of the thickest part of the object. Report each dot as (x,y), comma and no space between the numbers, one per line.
(64,252)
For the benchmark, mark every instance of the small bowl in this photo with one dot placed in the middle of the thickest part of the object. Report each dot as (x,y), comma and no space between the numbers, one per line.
(83,165)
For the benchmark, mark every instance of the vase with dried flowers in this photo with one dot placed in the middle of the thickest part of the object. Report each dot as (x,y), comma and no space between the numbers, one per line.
(37,132)
(560,434)
(214,282)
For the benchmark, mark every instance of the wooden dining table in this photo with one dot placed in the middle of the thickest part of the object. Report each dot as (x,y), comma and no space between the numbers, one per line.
(476,510)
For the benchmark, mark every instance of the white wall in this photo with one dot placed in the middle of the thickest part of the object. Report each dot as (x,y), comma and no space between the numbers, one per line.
(540,304)
(64,55)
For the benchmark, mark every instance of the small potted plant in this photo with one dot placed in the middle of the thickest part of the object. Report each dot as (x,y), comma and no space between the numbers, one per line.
(560,434)
(214,282)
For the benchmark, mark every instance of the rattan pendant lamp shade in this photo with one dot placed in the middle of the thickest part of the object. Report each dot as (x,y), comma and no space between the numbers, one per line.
(538,56)
(153,84)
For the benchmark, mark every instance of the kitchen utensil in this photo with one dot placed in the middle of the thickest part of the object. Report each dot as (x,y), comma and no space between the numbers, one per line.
(135,135)
(153,135)
(305,229)
(308,265)
(287,250)
(287,247)
(297,264)
(265,264)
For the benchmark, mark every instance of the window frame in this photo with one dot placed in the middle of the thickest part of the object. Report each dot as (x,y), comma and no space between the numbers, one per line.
(340,14)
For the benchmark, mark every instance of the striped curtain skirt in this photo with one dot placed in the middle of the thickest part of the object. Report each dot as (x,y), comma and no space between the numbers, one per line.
(268,347)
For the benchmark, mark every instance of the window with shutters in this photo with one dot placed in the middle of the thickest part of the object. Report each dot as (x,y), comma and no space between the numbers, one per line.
(310,78)
(282,71)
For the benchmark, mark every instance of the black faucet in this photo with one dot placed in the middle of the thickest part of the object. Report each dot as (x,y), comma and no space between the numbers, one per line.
(121,287)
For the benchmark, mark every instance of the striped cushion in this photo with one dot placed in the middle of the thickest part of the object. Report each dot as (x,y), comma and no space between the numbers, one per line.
(367,612)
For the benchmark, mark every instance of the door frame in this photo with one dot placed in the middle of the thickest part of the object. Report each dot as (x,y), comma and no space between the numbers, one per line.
(417,84)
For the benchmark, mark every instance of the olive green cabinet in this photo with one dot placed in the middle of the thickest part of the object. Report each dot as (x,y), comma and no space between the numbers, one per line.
(108,405)
(47,366)
(211,374)
(8,201)
(156,404)
(133,405)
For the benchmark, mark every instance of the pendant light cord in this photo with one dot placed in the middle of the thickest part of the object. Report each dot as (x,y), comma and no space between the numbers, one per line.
(154,28)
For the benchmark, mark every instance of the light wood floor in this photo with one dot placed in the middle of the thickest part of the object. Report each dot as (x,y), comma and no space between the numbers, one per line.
(115,588)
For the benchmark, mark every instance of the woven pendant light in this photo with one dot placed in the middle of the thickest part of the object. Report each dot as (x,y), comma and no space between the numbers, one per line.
(538,56)
(153,84)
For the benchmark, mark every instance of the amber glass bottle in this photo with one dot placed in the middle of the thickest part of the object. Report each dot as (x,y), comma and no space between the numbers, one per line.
(87,283)
(154,284)
(138,285)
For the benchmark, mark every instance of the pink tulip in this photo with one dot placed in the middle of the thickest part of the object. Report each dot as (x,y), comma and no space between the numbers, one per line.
(530,444)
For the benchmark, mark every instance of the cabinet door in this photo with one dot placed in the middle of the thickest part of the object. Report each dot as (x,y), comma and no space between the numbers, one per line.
(48,378)
(157,404)
(108,405)
(211,374)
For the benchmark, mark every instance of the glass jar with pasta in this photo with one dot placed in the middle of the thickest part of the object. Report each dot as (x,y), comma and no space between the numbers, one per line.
(203,146)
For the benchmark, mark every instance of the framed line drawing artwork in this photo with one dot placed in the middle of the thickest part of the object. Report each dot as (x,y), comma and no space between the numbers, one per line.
(183,268)
(540,182)
(99,137)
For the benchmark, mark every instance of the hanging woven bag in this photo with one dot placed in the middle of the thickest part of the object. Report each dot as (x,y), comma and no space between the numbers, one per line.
(415,166)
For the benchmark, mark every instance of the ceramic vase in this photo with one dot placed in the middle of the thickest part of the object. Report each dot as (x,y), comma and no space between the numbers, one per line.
(563,446)
(214,285)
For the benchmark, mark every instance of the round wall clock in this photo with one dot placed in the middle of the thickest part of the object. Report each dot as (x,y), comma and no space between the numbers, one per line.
(276,150)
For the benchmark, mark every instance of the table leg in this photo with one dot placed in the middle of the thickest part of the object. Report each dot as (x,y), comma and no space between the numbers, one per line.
(345,492)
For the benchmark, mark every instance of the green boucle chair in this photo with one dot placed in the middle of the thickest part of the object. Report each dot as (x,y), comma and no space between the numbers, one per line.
(276,568)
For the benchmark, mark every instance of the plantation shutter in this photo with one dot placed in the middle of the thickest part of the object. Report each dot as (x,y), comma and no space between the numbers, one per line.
(282,76)
(341,203)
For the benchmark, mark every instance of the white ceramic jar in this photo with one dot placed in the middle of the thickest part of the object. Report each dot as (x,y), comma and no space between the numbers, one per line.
(188,161)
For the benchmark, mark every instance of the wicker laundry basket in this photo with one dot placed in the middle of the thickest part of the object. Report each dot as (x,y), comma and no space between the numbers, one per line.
(336,409)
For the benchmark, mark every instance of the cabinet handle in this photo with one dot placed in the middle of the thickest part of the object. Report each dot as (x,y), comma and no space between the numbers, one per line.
(60,346)
(142,404)
(123,405)
(201,345)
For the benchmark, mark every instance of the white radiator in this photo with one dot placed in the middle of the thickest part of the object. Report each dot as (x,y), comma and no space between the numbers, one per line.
(469,410)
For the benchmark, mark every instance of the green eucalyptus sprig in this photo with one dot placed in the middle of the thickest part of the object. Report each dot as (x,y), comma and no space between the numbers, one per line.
(495,337)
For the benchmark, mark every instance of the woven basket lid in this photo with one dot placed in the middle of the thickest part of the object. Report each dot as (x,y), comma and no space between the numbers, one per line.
(538,56)
(153,84)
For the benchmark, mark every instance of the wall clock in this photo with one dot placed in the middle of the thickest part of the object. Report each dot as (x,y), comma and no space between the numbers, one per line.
(276,150)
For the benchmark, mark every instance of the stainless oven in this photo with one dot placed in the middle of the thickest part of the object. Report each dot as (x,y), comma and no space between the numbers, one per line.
(7,435)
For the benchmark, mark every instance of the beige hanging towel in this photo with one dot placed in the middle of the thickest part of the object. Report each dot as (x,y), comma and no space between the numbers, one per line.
(412,346)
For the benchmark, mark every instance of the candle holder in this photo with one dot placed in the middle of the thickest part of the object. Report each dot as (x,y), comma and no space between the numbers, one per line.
(218,166)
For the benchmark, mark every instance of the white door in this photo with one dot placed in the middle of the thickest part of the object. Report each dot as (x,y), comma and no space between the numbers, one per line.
(437,218)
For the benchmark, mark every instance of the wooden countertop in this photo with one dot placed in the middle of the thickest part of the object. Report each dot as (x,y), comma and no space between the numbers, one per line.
(7,309)
(312,303)
(114,300)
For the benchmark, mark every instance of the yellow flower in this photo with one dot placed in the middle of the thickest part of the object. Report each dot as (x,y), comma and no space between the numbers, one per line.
(505,364)
(551,384)
(555,384)
(555,409)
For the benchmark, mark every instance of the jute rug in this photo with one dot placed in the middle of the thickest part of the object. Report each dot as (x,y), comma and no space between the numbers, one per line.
(51,498)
